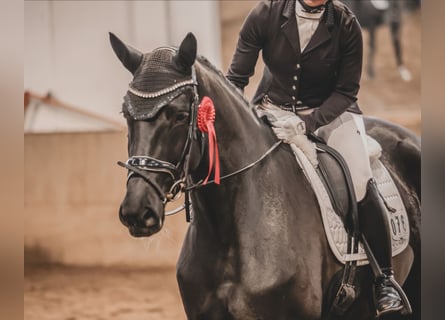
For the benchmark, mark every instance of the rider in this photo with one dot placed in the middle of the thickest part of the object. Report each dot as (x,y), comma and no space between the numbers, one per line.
(312,51)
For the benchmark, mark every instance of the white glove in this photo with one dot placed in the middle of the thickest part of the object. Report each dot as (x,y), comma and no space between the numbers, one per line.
(293,131)
(287,128)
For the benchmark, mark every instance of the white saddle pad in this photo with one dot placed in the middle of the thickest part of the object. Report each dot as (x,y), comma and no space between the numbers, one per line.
(335,231)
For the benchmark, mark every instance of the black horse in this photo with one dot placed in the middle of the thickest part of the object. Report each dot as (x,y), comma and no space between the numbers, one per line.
(373,13)
(255,248)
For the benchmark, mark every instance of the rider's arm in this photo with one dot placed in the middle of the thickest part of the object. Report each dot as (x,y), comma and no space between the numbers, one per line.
(348,80)
(250,42)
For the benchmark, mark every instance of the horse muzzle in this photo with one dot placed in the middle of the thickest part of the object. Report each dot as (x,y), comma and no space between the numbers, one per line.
(143,223)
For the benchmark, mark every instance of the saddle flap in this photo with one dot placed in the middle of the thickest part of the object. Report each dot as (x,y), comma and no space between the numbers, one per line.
(335,182)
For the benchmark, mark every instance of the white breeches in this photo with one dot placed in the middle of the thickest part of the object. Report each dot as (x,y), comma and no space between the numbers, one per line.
(347,135)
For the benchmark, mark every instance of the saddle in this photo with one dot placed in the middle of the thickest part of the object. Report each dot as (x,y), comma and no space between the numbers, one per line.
(333,186)
(338,184)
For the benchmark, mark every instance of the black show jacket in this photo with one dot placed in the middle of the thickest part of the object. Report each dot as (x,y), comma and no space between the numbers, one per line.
(325,75)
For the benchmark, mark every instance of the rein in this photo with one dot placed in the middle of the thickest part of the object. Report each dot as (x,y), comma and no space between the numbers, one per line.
(140,165)
(249,166)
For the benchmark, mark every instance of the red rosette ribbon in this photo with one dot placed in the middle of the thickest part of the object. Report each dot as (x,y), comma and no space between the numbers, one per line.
(205,121)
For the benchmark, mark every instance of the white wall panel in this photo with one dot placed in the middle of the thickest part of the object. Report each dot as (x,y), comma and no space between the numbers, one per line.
(38,54)
(67,50)
(201,18)
(150,26)
(90,75)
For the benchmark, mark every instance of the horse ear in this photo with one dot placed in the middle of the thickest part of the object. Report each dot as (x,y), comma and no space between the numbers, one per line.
(130,57)
(186,55)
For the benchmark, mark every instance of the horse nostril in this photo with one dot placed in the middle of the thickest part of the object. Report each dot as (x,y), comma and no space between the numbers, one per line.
(151,222)
(128,220)
(150,219)
(132,221)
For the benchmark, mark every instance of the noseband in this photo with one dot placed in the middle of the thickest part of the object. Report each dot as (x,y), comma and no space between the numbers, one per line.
(140,165)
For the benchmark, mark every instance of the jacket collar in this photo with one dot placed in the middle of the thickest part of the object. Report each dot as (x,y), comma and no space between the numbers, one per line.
(290,29)
(321,35)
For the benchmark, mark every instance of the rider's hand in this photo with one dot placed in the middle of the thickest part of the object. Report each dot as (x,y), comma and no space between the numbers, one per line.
(293,131)
(287,129)
(309,123)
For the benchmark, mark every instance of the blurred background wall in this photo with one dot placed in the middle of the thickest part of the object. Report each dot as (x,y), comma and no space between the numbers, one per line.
(74,133)
(67,51)
(73,189)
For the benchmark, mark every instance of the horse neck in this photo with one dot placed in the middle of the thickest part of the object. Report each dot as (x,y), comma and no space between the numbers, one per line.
(242,139)
(271,203)
(241,134)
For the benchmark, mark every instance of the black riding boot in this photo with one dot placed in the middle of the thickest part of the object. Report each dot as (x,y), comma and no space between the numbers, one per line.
(375,227)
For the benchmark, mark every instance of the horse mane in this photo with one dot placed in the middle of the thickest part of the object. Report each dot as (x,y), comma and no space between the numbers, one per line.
(224,81)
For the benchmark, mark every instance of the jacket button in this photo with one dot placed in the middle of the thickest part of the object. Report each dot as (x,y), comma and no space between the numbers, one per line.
(298,66)
(295,78)
(293,98)
(294,88)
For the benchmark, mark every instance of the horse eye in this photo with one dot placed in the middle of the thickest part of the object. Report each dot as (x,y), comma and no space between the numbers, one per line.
(182,116)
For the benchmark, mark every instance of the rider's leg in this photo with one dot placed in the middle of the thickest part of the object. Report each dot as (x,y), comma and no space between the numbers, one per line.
(372,219)
(346,134)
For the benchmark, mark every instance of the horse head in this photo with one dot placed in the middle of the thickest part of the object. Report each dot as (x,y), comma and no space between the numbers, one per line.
(159,107)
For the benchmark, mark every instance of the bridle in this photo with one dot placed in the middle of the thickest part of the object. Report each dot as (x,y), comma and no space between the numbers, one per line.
(141,165)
